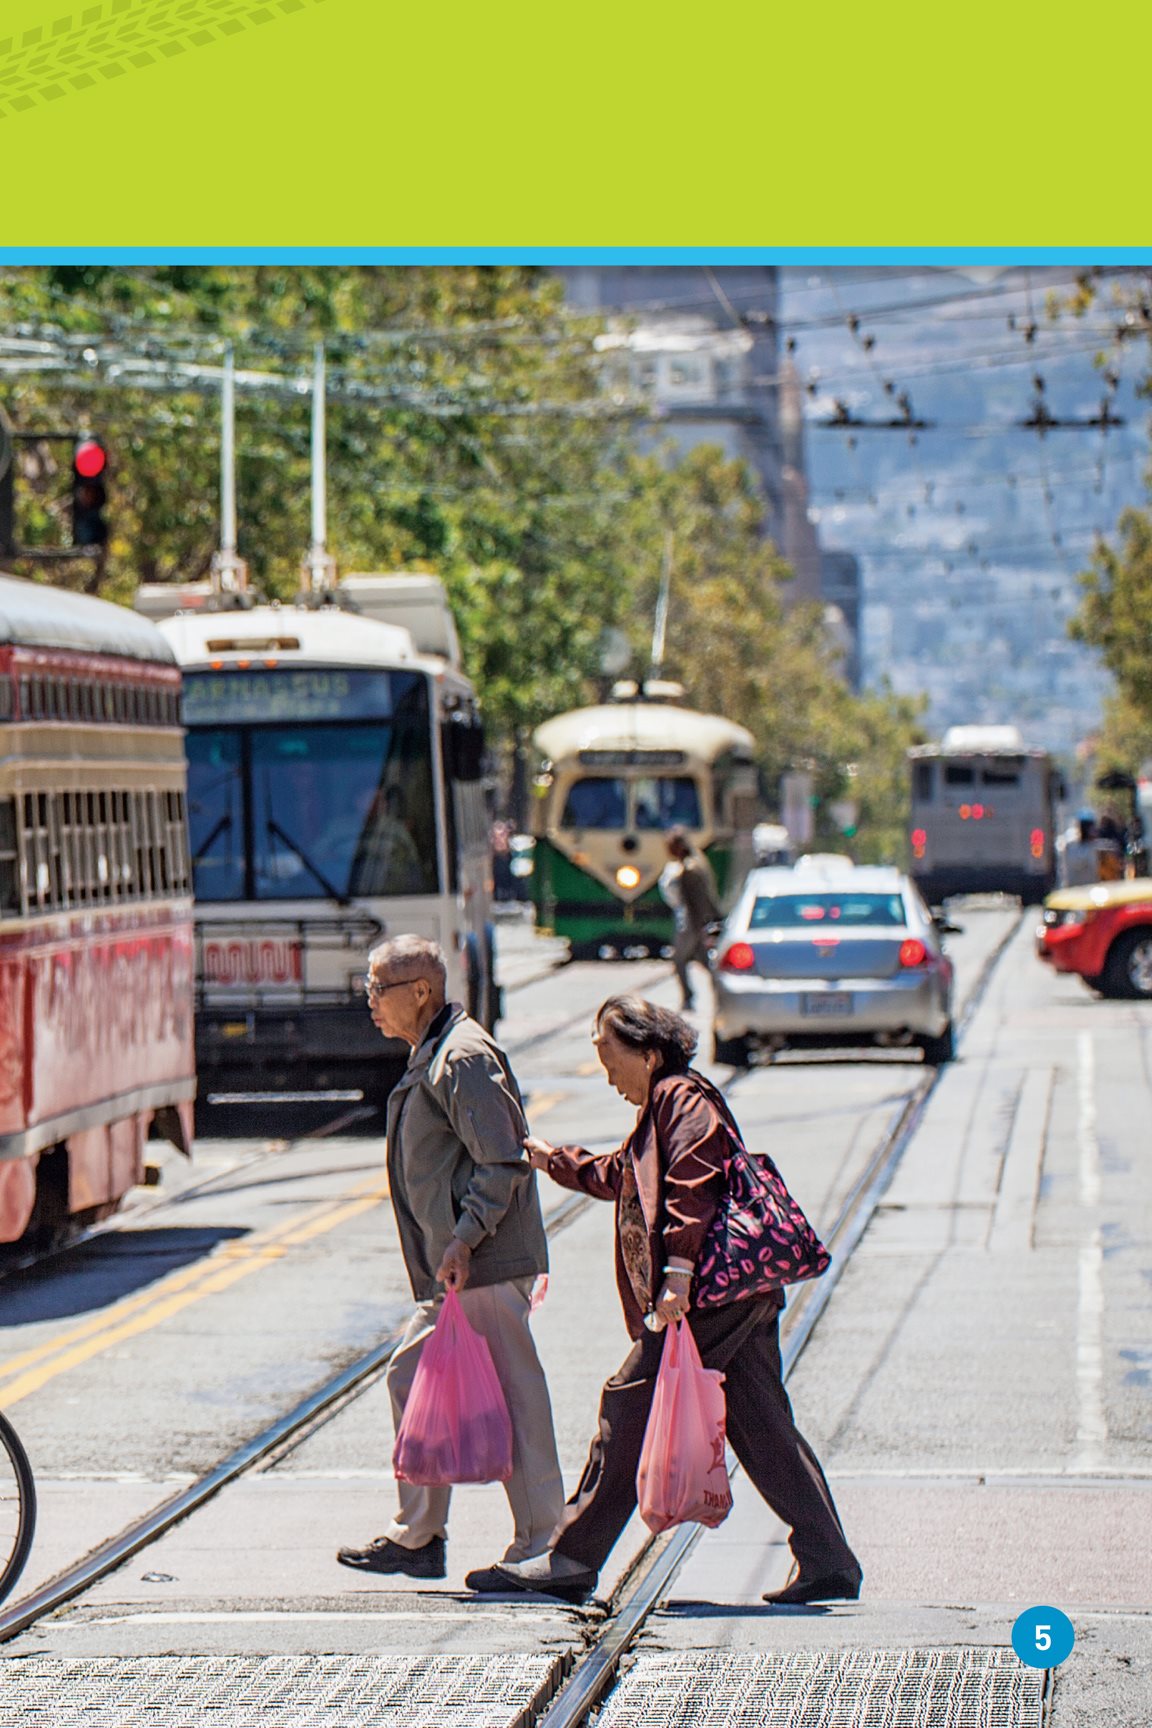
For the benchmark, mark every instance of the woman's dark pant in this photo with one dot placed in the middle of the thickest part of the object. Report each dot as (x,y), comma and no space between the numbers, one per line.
(743,1341)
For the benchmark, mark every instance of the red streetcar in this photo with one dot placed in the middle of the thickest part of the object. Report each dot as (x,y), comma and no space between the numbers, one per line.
(95,905)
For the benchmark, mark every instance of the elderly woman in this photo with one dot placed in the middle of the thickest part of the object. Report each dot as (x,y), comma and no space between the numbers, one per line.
(667,1180)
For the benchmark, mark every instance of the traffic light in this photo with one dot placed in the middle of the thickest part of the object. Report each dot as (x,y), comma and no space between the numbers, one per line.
(89,494)
(7,498)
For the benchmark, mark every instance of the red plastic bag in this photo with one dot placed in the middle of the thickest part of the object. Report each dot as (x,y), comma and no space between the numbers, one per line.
(682,1477)
(456,1426)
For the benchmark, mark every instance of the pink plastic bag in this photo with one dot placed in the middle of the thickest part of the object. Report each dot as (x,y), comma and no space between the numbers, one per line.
(456,1426)
(682,1477)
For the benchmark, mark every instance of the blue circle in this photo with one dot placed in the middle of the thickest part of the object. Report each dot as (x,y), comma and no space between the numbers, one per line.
(1043,1637)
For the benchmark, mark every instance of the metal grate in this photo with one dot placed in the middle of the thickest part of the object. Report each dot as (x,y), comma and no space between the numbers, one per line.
(966,1688)
(275,1691)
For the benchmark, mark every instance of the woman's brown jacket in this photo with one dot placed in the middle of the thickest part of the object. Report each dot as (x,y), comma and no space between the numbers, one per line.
(678,1148)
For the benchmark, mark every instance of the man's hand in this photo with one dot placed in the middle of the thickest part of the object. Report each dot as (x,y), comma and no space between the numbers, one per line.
(456,1267)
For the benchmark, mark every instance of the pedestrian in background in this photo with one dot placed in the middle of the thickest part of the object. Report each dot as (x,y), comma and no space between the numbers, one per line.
(687,886)
(468,1216)
(667,1181)
(1078,859)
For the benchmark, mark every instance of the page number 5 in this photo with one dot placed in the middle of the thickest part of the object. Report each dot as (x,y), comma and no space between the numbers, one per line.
(1043,1637)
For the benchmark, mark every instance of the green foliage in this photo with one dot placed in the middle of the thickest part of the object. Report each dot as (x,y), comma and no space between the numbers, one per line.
(740,649)
(470,434)
(466,435)
(1115,613)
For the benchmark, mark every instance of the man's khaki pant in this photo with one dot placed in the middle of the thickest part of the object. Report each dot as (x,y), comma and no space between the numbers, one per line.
(499,1312)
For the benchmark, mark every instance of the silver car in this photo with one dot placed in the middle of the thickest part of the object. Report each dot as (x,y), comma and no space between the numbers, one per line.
(831,953)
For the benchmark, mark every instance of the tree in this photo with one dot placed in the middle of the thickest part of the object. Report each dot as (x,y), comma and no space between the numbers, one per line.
(1115,613)
(466,435)
(740,649)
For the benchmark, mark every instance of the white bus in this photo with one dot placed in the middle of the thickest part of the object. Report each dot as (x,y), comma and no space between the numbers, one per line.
(983,815)
(334,797)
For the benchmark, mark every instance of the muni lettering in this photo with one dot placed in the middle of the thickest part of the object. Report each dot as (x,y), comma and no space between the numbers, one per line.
(248,962)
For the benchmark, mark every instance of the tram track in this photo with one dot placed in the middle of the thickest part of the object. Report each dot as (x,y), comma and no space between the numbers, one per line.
(654,1567)
(581,1685)
(261,1451)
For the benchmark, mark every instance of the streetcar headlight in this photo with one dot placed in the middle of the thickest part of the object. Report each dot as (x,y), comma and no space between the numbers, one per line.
(627,876)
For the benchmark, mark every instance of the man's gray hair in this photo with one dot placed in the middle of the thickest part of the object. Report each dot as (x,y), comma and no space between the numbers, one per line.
(404,957)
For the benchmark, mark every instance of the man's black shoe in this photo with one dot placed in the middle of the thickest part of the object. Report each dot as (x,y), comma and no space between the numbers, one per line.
(833,1587)
(383,1555)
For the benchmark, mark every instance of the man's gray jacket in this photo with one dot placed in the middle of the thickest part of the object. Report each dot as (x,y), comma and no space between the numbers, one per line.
(456,1159)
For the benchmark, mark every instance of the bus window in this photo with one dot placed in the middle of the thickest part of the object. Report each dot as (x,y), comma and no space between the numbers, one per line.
(595,803)
(664,803)
(922,782)
(959,774)
(215,820)
(1001,774)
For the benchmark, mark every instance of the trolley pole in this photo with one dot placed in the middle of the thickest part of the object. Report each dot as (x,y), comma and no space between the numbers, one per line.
(229,571)
(660,628)
(319,567)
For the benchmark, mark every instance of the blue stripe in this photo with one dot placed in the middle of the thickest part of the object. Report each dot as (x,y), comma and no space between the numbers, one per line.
(547,255)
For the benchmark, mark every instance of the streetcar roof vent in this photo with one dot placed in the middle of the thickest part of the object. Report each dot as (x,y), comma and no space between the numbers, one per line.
(648,690)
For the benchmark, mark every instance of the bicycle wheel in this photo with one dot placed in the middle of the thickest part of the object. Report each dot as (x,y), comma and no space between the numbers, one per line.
(17,1507)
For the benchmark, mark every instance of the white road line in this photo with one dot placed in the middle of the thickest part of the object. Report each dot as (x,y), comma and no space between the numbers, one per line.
(1092,1425)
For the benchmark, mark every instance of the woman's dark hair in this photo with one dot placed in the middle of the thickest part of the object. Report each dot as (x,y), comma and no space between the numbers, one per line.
(643,1026)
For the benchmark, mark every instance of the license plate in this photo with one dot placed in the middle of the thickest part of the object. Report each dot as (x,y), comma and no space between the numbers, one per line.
(827,1002)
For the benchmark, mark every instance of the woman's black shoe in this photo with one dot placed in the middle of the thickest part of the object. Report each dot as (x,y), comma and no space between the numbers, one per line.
(833,1587)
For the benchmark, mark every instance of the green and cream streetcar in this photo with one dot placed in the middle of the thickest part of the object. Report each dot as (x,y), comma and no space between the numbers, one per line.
(613,780)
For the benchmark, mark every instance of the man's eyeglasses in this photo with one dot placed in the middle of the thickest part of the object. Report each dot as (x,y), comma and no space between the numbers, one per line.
(374,991)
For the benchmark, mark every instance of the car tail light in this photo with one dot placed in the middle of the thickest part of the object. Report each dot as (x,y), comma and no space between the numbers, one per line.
(741,957)
(913,952)
(1036,842)
(919,842)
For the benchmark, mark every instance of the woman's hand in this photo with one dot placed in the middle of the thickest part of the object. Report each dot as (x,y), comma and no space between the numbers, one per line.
(539,1152)
(672,1303)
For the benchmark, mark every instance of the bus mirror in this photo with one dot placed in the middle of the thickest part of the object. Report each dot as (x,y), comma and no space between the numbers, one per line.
(465,749)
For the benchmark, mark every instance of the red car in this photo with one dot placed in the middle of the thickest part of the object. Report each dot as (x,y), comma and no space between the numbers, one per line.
(1104,932)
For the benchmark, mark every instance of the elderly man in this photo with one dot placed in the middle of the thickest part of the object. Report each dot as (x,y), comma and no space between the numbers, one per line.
(466,1208)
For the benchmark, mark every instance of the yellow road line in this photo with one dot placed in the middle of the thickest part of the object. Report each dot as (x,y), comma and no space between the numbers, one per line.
(254,1250)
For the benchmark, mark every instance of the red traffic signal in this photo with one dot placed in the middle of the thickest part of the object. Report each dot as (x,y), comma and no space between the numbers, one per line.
(90,459)
(89,494)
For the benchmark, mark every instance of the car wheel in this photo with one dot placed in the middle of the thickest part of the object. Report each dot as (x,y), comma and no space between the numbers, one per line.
(1128,968)
(937,1051)
(735,1052)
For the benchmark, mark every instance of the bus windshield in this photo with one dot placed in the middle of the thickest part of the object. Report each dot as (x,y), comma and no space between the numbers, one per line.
(315,811)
